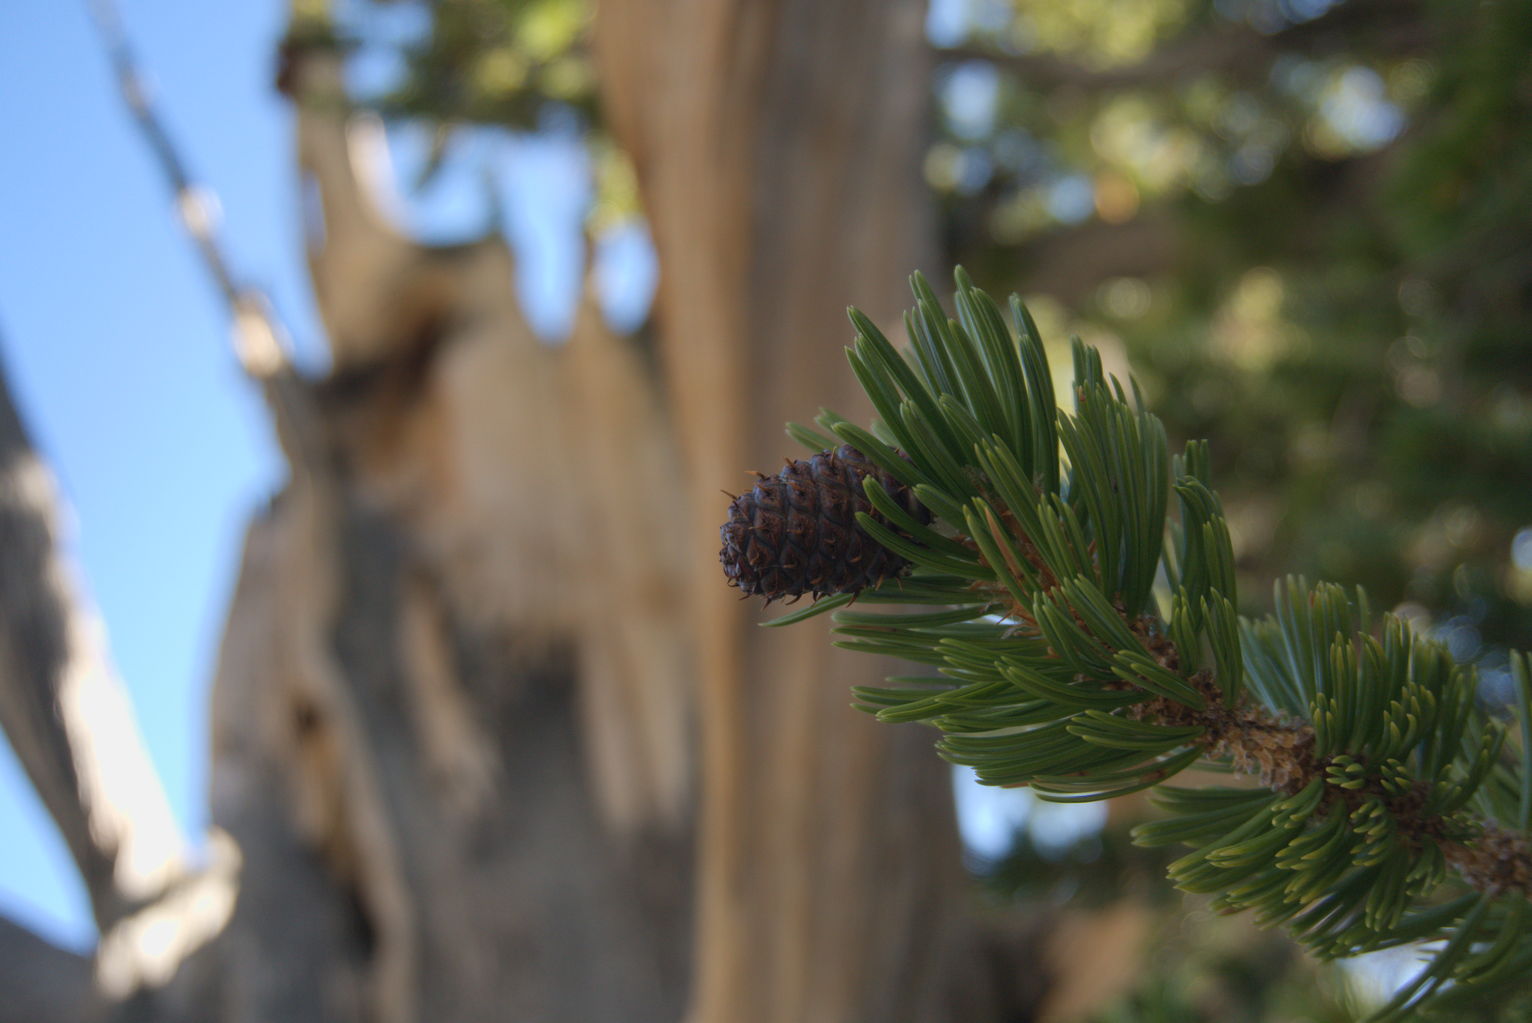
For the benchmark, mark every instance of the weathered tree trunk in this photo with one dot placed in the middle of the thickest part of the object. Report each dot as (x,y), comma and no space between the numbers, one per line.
(452,693)
(491,739)
(778,147)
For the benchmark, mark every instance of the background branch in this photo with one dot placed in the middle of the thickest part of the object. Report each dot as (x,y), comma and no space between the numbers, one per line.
(1240,52)
(260,340)
(61,703)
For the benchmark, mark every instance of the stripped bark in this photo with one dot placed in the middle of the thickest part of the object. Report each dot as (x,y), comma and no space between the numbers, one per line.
(778,147)
(61,704)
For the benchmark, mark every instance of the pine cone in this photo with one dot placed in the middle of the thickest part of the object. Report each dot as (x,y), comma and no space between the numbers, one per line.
(797,533)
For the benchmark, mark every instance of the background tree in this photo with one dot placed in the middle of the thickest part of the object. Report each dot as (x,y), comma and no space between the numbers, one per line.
(489,737)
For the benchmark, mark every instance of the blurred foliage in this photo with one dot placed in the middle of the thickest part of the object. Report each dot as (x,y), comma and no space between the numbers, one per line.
(1344,302)
(1198,966)
(496,62)
(1096,870)
(1209,969)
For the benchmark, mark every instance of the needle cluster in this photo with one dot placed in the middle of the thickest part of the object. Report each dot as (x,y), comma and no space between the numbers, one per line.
(1071,595)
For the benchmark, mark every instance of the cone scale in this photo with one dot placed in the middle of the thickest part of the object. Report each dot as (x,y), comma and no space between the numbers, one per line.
(796,533)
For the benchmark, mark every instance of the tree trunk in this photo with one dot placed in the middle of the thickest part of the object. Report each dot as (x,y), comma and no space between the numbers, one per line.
(778,147)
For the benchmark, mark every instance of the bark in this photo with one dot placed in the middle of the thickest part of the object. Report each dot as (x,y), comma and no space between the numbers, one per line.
(430,741)
(61,704)
(778,147)
(68,719)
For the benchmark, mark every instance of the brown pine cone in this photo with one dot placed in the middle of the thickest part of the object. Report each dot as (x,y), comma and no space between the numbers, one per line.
(796,532)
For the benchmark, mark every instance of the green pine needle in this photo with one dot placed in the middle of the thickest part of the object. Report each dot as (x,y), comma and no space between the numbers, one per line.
(1085,642)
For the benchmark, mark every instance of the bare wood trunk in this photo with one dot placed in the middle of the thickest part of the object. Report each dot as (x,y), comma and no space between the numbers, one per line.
(423,706)
(778,146)
(61,704)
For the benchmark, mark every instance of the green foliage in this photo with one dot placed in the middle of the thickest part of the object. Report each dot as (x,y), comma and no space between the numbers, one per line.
(496,62)
(1081,640)
(1216,972)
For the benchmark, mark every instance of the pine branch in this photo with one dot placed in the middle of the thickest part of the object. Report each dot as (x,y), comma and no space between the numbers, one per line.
(1280,753)
(1085,643)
